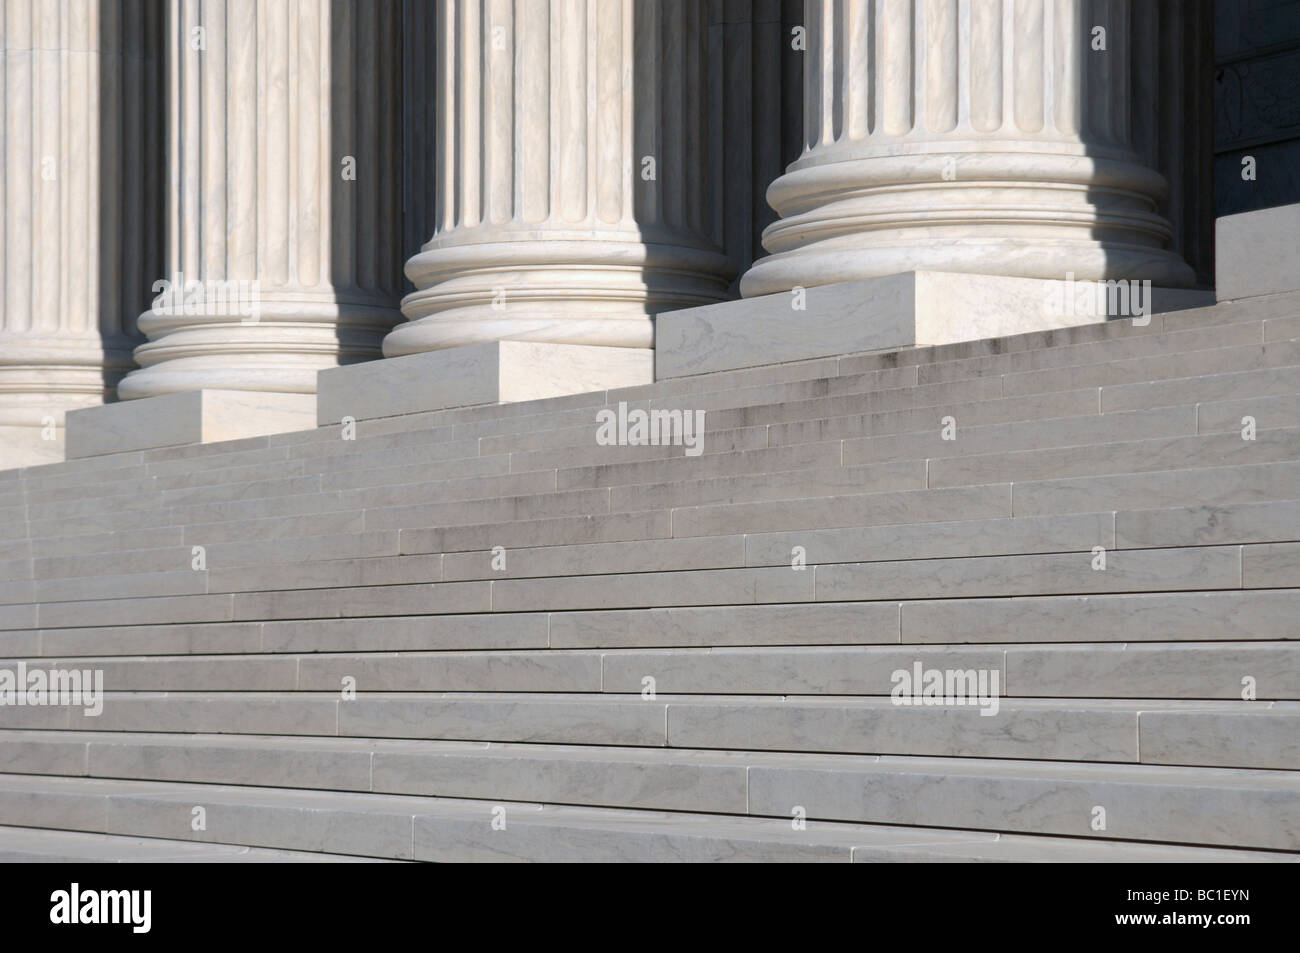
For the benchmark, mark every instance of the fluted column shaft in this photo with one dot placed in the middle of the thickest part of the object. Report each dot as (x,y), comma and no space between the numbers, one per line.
(577,191)
(968,135)
(283,142)
(79,196)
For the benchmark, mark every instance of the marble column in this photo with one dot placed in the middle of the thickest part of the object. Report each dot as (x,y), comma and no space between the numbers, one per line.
(81,199)
(284,223)
(577,191)
(987,136)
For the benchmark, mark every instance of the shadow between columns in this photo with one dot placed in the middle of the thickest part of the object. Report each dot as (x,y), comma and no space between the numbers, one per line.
(1161,102)
(133,177)
(718,102)
(382,115)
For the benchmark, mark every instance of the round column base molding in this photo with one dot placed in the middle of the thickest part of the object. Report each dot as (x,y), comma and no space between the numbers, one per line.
(277,350)
(552,291)
(44,376)
(283,372)
(1027,215)
(832,263)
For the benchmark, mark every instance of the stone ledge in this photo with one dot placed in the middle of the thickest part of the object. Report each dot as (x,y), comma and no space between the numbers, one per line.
(197,416)
(491,373)
(911,309)
(1257,253)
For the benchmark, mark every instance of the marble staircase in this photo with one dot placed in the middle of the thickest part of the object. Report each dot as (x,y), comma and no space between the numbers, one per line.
(477,634)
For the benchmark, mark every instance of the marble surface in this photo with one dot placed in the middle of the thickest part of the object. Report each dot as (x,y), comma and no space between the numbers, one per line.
(1257,253)
(908,309)
(200,416)
(578,172)
(285,257)
(486,373)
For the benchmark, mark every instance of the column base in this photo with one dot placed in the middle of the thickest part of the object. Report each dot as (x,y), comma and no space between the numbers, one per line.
(197,416)
(496,372)
(911,309)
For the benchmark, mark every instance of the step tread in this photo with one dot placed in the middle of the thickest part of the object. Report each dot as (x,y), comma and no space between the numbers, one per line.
(30,845)
(448,829)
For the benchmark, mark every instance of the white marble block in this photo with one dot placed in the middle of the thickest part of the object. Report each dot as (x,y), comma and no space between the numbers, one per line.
(912,309)
(489,373)
(1257,253)
(196,416)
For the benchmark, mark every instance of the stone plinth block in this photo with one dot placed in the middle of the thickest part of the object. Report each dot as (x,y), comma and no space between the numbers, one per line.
(912,309)
(1257,253)
(489,373)
(197,416)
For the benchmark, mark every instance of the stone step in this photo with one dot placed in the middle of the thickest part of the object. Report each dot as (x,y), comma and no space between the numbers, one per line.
(1229,616)
(1169,804)
(266,497)
(1044,497)
(1082,670)
(1226,485)
(746,381)
(1280,309)
(1271,413)
(927,620)
(1121,348)
(1144,370)
(847,383)
(453,833)
(1016,801)
(858,393)
(959,439)
(22,845)
(644,779)
(1277,314)
(770,587)
(851,370)
(1215,388)
(1207,388)
(1027,728)
(670,484)
(1210,525)
(1221,321)
(1127,457)
(412,583)
(1014,375)
(1279,358)
(1050,534)
(1209,486)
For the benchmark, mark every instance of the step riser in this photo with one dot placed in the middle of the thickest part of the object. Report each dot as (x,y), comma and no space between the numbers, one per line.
(942,472)
(585,428)
(1019,729)
(1076,671)
(401,831)
(1132,811)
